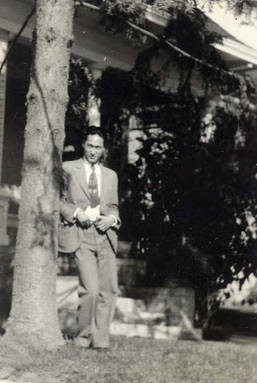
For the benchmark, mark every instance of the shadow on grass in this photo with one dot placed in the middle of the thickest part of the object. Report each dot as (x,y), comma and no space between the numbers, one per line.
(226,323)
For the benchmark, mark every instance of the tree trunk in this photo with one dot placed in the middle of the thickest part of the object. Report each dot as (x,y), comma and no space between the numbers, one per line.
(33,317)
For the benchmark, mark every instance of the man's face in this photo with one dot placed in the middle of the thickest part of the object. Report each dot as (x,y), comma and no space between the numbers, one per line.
(93,148)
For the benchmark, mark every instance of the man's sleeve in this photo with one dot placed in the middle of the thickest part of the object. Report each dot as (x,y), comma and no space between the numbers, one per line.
(67,209)
(113,205)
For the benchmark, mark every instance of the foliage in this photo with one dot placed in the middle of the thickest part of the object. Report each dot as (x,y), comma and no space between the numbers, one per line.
(189,201)
(202,186)
(247,7)
(115,13)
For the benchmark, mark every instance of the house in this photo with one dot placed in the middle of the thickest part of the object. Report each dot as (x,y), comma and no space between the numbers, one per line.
(98,48)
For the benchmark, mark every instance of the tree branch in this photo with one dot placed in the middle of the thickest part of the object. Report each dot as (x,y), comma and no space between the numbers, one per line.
(131,25)
(167,42)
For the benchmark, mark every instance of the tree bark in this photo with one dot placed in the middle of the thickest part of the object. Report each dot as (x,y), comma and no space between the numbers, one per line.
(33,317)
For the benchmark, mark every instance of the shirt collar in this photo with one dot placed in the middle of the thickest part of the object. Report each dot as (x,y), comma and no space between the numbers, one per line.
(88,165)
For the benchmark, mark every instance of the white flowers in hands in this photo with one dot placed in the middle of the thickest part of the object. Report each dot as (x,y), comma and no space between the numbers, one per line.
(93,213)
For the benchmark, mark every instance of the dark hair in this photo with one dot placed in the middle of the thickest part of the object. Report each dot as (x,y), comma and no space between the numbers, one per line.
(91,130)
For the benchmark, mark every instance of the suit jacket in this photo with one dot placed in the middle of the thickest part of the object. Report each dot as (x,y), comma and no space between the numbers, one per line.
(76,194)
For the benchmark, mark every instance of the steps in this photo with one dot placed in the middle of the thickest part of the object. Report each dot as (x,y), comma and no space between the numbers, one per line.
(153,313)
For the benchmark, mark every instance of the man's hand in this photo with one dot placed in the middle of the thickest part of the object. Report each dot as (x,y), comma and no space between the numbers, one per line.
(104,222)
(93,213)
(81,216)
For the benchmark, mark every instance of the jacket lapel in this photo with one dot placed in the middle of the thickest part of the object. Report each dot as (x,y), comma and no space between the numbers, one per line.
(80,172)
(103,185)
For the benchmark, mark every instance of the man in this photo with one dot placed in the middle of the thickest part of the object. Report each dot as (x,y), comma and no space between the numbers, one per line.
(88,227)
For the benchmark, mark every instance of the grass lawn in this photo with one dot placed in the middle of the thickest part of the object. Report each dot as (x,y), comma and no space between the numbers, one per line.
(136,360)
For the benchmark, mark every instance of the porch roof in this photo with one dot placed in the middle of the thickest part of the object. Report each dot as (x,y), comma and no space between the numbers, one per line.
(104,49)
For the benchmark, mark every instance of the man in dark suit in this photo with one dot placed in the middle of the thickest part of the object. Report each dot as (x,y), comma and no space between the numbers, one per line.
(88,227)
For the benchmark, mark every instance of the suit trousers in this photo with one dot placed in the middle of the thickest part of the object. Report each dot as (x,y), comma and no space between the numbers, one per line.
(98,287)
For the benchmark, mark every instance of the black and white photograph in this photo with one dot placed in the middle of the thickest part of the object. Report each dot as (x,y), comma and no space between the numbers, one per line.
(128,191)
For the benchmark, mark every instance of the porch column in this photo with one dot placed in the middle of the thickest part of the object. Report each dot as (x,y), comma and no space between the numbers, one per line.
(3,77)
(4,198)
(94,102)
(134,134)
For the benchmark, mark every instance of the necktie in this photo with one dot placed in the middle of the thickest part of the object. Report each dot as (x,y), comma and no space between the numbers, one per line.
(93,189)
